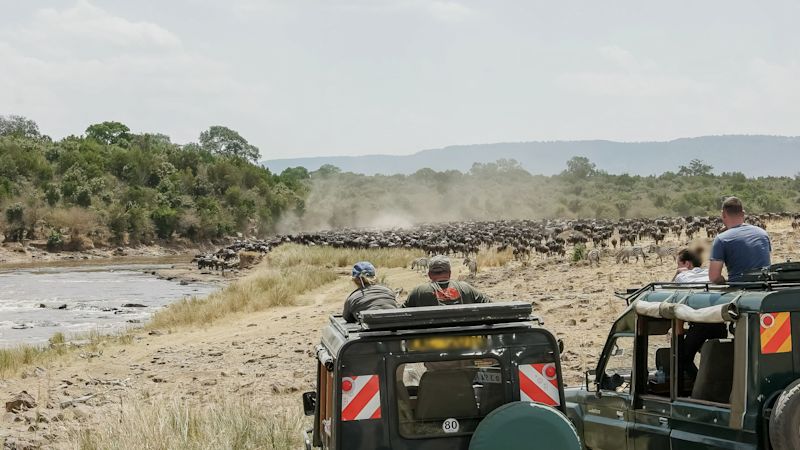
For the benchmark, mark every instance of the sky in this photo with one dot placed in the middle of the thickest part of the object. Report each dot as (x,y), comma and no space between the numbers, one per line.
(351,77)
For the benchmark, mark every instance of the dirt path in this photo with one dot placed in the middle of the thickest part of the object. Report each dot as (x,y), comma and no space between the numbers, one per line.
(269,354)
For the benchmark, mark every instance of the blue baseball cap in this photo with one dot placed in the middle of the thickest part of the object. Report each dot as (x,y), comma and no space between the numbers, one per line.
(363,269)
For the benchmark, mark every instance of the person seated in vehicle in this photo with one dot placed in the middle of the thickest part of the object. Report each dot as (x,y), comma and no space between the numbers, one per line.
(690,268)
(442,290)
(368,294)
(740,248)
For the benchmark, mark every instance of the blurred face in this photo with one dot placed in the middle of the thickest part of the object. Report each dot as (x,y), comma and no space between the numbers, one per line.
(685,265)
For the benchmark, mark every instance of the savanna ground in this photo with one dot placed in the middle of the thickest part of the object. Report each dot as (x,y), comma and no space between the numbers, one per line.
(227,372)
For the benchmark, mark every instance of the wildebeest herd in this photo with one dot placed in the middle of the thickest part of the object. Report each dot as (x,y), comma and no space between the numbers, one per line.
(623,238)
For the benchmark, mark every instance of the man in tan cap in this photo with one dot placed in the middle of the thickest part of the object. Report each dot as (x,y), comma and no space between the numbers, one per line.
(442,290)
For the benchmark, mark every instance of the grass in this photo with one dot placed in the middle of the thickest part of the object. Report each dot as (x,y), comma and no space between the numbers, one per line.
(295,255)
(493,258)
(166,424)
(13,359)
(263,288)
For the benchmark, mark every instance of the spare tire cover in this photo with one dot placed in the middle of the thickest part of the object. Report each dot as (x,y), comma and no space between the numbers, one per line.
(784,423)
(525,426)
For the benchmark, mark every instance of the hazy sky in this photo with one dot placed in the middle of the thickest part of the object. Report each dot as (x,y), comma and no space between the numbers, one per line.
(325,77)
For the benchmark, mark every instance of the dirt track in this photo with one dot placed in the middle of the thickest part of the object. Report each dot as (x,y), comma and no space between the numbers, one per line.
(269,354)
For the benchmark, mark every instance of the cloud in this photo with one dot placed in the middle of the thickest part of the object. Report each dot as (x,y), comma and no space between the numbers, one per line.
(449,11)
(86,22)
(67,68)
(629,77)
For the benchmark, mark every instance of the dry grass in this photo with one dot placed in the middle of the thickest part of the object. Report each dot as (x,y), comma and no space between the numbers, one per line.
(493,258)
(249,259)
(166,424)
(13,359)
(265,287)
(294,255)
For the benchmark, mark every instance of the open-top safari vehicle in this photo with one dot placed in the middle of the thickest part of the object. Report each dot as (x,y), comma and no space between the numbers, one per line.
(476,377)
(742,391)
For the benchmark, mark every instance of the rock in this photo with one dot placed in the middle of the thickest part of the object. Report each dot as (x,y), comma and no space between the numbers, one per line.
(184,283)
(42,305)
(64,306)
(158,380)
(20,402)
(134,305)
(209,383)
(252,324)
(155,333)
(571,322)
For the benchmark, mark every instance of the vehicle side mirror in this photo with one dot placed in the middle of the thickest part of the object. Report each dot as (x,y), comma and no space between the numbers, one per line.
(309,403)
(588,376)
(560,346)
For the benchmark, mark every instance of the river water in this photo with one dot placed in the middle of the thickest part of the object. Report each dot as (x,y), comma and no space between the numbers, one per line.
(90,298)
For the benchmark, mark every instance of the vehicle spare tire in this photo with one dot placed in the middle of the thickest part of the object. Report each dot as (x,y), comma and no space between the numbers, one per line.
(525,426)
(784,422)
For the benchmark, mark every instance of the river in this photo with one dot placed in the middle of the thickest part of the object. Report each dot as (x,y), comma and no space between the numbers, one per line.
(38,302)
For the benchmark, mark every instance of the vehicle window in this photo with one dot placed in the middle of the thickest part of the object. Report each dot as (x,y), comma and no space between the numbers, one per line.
(659,363)
(447,397)
(619,365)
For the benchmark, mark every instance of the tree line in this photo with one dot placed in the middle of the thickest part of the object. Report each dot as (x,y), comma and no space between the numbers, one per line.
(110,186)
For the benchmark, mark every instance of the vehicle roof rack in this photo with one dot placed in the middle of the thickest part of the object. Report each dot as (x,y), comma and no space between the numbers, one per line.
(632,294)
(433,316)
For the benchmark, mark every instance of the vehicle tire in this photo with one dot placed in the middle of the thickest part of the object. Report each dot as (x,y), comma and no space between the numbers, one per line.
(784,422)
(525,426)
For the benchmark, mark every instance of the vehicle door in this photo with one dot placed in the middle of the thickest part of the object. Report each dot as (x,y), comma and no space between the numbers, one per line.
(652,405)
(606,414)
(702,416)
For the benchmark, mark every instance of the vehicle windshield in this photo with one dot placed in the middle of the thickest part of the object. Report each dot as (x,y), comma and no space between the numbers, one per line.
(447,397)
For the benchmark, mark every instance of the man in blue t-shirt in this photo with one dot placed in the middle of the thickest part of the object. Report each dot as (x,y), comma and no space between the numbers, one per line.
(741,248)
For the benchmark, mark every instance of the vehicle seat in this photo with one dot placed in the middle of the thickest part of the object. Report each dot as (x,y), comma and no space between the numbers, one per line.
(446,393)
(715,375)
(662,360)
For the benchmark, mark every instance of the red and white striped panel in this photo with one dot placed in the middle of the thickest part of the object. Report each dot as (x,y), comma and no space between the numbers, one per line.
(539,383)
(361,398)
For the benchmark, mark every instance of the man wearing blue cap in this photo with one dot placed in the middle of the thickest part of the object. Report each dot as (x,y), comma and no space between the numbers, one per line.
(367,295)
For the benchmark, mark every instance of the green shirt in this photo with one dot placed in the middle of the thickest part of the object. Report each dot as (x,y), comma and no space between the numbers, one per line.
(444,293)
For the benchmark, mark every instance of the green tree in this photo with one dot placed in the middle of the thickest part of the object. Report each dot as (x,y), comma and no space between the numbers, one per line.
(109,133)
(696,168)
(18,126)
(580,168)
(224,141)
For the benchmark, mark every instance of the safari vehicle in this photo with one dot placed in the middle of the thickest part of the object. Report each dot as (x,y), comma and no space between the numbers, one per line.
(444,378)
(746,391)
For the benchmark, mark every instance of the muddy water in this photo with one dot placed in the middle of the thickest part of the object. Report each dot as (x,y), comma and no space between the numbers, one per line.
(36,303)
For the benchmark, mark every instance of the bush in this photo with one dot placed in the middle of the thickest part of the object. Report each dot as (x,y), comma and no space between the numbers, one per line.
(579,252)
(165,221)
(55,242)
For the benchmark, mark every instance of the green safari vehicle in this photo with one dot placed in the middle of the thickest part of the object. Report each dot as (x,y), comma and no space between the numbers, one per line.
(742,391)
(479,377)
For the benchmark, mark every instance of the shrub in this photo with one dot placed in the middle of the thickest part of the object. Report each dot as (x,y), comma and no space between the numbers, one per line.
(55,242)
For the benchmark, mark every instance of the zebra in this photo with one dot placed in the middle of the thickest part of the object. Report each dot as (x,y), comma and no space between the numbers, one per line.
(472,265)
(625,254)
(661,252)
(419,264)
(594,257)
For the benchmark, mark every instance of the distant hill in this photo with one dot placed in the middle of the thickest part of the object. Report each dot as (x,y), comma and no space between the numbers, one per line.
(752,155)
